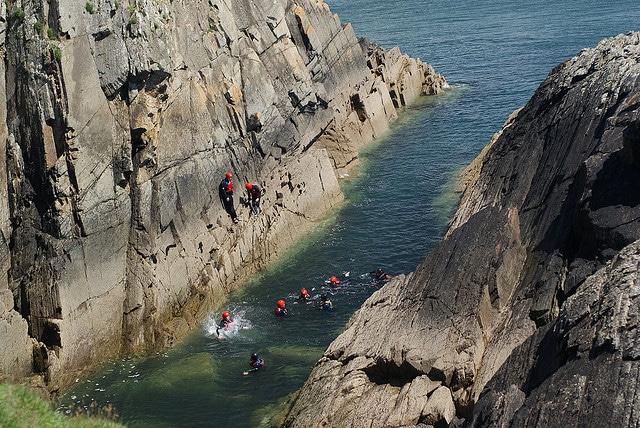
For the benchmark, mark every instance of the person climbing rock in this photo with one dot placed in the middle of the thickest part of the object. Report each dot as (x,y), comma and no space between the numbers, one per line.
(226,196)
(256,364)
(224,323)
(280,310)
(254,193)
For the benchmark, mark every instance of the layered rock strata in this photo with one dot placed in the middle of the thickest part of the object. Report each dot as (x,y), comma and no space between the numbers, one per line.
(526,313)
(119,121)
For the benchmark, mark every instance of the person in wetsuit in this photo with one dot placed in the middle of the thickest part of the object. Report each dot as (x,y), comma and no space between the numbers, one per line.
(325,303)
(226,196)
(224,323)
(379,275)
(256,364)
(304,295)
(254,192)
(280,310)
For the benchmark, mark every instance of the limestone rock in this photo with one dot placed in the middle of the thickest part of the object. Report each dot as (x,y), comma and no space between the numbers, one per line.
(525,312)
(117,123)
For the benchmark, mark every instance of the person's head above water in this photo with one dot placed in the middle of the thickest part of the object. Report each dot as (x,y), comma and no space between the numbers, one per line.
(281,303)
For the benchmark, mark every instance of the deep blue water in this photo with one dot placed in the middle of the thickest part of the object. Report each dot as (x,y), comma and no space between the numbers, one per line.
(494,54)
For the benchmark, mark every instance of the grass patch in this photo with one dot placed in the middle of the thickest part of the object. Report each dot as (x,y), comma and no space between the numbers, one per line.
(20,408)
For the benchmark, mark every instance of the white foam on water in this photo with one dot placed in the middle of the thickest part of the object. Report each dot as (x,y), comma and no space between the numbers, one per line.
(239,323)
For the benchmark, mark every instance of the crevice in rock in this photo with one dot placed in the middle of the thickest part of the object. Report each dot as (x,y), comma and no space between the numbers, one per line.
(358,106)
(388,372)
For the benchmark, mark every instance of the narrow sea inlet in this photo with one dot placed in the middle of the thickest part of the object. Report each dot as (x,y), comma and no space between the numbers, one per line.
(494,55)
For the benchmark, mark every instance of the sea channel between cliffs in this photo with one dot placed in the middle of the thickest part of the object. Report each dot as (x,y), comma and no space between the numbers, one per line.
(184,385)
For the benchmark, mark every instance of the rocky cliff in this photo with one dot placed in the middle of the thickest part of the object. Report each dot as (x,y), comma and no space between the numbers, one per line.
(526,314)
(118,121)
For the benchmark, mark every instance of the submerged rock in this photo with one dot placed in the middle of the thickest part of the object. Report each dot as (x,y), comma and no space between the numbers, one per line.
(525,313)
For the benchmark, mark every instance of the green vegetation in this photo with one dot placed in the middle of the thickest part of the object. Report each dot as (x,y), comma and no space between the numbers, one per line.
(51,35)
(57,52)
(133,20)
(17,13)
(20,408)
(117,5)
(37,27)
(89,7)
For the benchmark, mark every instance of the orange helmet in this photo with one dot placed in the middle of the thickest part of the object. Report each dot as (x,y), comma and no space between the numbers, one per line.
(228,175)
(303,291)
(333,279)
(249,186)
(281,303)
(225,314)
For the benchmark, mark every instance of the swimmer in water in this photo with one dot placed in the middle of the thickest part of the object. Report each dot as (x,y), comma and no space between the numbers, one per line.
(224,323)
(256,364)
(325,303)
(280,310)
(304,295)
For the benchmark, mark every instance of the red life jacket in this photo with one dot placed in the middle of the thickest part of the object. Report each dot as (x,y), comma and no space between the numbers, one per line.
(229,187)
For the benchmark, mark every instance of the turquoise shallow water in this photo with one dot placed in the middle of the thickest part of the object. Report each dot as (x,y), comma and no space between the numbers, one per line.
(494,54)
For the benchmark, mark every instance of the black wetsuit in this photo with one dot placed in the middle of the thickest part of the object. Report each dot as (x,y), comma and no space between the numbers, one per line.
(254,198)
(326,304)
(226,196)
(223,325)
(281,312)
(256,365)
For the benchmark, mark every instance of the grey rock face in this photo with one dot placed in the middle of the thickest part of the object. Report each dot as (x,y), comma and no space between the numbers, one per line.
(118,122)
(526,311)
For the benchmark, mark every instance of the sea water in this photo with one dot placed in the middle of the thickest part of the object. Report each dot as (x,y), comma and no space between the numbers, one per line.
(494,54)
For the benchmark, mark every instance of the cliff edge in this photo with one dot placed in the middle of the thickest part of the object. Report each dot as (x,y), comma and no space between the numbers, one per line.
(526,314)
(119,119)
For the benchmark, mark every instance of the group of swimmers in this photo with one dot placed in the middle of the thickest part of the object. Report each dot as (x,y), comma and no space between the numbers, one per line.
(280,310)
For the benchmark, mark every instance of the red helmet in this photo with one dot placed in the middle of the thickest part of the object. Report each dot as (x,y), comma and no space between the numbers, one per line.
(228,175)
(333,279)
(225,314)
(249,186)
(281,303)
(303,291)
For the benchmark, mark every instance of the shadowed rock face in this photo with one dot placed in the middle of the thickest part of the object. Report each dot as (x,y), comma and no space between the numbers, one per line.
(118,122)
(526,313)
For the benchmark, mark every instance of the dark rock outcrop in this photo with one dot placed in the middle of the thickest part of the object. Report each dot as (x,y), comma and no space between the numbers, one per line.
(117,122)
(526,313)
